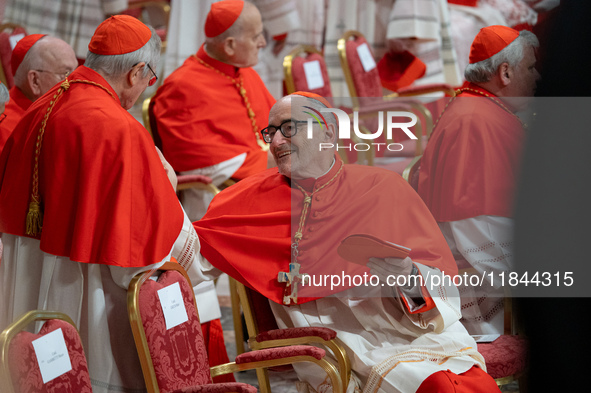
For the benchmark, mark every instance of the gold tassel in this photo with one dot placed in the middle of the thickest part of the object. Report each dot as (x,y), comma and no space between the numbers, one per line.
(34,219)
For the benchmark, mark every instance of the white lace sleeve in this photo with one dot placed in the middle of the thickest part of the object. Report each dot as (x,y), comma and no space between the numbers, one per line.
(486,242)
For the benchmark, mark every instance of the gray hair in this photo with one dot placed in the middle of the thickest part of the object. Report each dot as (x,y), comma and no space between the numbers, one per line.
(117,65)
(512,54)
(4,95)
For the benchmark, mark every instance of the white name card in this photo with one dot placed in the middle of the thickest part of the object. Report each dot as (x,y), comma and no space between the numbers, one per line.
(14,39)
(367,60)
(52,355)
(313,75)
(173,305)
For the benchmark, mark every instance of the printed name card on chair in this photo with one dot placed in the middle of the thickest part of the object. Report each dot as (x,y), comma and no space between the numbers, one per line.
(173,306)
(367,60)
(51,360)
(52,355)
(313,75)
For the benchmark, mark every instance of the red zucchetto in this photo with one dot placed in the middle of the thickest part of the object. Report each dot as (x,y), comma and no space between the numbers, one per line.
(118,35)
(490,41)
(21,49)
(221,16)
(313,96)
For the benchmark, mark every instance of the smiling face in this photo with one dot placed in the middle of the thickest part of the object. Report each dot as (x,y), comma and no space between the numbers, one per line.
(299,157)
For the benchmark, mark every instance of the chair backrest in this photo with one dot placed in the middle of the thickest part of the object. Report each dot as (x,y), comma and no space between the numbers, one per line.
(25,357)
(305,70)
(262,332)
(359,67)
(166,329)
(10,33)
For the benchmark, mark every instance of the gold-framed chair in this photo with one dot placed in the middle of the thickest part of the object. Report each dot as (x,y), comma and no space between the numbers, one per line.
(296,76)
(296,79)
(365,87)
(363,83)
(263,333)
(175,358)
(8,30)
(19,365)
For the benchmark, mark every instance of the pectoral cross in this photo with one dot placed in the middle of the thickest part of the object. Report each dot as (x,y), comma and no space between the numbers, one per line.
(292,278)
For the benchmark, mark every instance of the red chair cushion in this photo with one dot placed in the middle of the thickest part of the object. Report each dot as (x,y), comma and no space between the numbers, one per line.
(505,356)
(299,76)
(24,369)
(280,353)
(179,355)
(279,334)
(367,84)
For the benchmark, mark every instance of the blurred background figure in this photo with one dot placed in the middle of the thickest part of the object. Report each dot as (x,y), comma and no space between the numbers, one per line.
(74,21)
(552,210)
(38,63)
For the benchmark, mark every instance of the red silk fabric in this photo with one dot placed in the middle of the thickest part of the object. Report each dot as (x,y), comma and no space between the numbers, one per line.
(248,229)
(14,111)
(105,196)
(202,119)
(470,164)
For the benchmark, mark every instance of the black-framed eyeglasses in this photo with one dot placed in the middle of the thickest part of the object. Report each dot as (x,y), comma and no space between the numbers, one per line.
(62,75)
(153,79)
(288,129)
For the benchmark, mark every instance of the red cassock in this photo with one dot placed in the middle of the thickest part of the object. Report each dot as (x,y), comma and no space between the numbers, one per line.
(248,230)
(15,109)
(471,162)
(203,120)
(105,196)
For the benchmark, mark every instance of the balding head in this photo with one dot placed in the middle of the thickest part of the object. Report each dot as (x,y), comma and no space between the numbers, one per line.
(47,63)
(239,45)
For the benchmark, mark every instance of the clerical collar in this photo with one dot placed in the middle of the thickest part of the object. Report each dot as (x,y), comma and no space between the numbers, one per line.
(308,184)
(473,88)
(227,69)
